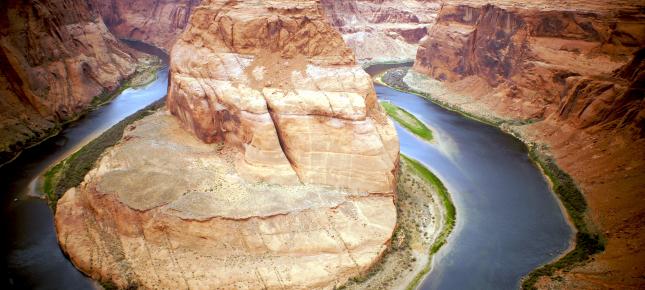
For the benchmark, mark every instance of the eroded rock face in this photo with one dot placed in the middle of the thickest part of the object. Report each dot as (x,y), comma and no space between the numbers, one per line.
(615,102)
(573,69)
(158,23)
(277,169)
(276,81)
(528,52)
(382,30)
(56,56)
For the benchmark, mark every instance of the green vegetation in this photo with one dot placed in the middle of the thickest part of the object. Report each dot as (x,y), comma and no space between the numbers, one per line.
(449,213)
(71,171)
(402,62)
(587,241)
(418,205)
(408,120)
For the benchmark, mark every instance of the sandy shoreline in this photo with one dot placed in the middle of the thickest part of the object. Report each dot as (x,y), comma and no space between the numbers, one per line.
(420,221)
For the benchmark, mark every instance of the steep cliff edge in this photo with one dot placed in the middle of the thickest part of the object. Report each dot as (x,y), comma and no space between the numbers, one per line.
(158,23)
(567,75)
(277,170)
(56,56)
(380,30)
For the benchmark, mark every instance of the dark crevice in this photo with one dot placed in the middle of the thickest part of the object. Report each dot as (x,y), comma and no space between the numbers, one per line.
(281,141)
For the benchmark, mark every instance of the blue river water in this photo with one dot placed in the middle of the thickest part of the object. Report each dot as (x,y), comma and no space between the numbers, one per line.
(508,220)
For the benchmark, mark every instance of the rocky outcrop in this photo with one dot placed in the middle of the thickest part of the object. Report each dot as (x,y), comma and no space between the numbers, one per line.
(277,169)
(278,83)
(158,23)
(567,75)
(614,102)
(56,56)
(380,30)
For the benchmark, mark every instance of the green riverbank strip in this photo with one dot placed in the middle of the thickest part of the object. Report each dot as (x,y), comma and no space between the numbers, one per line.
(385,79)
(449,214)
(71,171)
(408,121)
(587,240)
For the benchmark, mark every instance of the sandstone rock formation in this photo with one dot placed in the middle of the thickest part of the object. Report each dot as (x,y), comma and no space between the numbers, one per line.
(297,190)
(567,74)
(55,57)
(276,81)
(382,30)
(164,210)
(158,23)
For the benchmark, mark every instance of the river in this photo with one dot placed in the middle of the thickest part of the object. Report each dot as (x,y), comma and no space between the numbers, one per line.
(508,221)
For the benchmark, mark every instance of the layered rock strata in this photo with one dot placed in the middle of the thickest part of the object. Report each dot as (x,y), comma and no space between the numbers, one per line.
(517,59)
(277,82)
(381,31)
(158,23)
(56,56)
(566,74)
(277,169)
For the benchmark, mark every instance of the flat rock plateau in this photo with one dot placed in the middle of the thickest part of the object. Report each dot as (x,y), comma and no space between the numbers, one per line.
(165,210)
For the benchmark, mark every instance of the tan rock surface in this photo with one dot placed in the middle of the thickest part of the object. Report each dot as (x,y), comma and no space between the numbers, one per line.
(164,210)
(56,56)
(379,31)
(573,70)
(275,80)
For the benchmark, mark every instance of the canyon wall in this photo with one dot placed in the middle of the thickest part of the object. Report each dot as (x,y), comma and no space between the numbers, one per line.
(382,30)
(157,23)
(568,75)
(56,56)
(528,53)
(273,167)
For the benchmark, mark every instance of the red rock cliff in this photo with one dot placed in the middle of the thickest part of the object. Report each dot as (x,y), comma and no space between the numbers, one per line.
(572,72)
(158,23)
(528,52)
(56,55)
